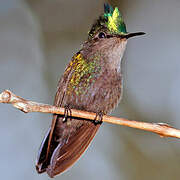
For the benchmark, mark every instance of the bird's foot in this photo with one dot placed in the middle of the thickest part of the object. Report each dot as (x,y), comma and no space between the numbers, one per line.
(99,118)
(67,113)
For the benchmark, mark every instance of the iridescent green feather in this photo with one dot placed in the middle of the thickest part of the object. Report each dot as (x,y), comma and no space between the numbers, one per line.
(115,21)
(111,20)
(83,73)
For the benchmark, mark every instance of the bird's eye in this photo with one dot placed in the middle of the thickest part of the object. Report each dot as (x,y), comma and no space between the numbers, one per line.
(101,35)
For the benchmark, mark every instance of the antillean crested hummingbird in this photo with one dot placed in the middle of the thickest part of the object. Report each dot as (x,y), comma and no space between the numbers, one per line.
(92,81)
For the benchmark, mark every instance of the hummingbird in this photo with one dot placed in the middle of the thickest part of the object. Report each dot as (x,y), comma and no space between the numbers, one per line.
(92,81)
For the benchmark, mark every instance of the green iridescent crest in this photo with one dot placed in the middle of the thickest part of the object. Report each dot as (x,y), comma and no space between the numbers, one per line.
(111,20)
(114,18)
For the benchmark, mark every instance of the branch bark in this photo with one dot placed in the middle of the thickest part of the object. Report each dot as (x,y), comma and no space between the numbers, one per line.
(162,129)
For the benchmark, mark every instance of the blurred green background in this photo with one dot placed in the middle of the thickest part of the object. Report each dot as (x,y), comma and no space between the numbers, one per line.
(37,40)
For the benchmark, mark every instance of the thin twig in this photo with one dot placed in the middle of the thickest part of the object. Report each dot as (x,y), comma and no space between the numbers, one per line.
(164,130)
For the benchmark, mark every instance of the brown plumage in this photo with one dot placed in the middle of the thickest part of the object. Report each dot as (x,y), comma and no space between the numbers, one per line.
(92,82)
(71,138)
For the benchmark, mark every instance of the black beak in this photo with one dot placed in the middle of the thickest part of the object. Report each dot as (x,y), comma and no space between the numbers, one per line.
(129,35)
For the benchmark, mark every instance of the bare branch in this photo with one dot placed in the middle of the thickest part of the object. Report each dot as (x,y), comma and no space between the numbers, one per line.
(164,130)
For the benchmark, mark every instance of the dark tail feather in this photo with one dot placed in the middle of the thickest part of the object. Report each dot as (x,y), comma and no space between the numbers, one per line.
(41,165)
(65,153)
